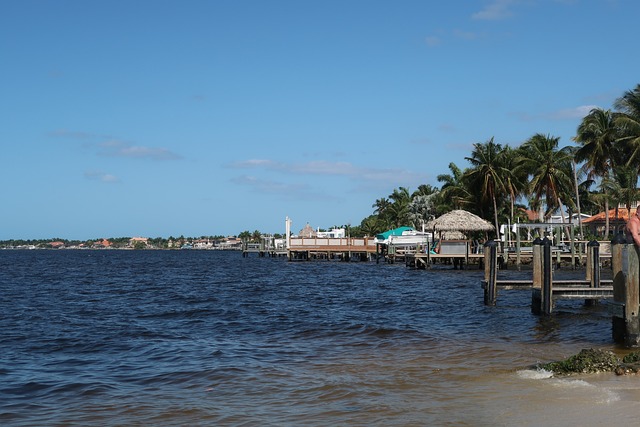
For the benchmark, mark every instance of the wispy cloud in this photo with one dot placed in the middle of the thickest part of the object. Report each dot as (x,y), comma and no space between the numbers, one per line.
(494,11)
(101,176)
(72,134)
(324,168)
(296,191)
(565,114)
(433,41)
(111,147)
(572,113)
(115,148)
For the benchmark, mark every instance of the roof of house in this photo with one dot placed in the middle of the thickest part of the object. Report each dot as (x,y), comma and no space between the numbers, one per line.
(623,215)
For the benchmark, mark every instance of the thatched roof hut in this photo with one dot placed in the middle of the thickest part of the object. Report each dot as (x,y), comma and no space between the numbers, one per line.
(459,220)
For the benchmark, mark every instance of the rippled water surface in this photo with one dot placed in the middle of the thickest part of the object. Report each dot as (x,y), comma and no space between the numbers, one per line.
(211,338)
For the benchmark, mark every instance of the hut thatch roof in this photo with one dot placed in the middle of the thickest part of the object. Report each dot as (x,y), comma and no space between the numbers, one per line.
(459,220)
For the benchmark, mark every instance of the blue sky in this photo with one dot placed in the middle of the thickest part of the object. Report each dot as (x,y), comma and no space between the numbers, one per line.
(159,118)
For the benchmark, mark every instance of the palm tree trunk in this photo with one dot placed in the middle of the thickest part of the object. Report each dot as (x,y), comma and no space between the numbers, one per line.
(606,216)
(564,224)
(575,180)
(495,215)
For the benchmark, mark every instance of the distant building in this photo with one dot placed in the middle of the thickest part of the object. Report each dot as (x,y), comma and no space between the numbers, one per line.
(307,232)
(104,243)
(334,233)
(617,220)
(138,240)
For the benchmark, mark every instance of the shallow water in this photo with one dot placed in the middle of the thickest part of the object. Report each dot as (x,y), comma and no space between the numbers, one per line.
(211,338)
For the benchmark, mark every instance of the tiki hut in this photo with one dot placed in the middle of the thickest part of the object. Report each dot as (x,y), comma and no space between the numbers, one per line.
(459,220)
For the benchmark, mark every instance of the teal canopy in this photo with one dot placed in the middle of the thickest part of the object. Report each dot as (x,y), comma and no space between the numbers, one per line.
(395,232)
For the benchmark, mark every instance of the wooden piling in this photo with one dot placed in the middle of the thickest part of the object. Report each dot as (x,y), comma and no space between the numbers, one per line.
(547,280)
(536,302)
(593,268)
(626,301)
(490,272)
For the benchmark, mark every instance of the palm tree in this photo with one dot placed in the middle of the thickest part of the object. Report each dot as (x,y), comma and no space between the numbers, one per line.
(424,190)
(515,183)
(549,168)
(381,211)
(399,209)
(625,190)
(596,136)
(370,226)
(488,171)
(453,190)
(628,122)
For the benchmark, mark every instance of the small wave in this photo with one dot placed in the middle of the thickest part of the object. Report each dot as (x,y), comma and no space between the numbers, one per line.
(600,395)
(534,374)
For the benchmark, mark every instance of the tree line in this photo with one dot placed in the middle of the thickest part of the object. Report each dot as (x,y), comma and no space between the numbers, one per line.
(600,169)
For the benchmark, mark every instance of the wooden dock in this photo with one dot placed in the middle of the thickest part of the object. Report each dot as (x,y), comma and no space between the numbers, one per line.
(344,249)
(557,284)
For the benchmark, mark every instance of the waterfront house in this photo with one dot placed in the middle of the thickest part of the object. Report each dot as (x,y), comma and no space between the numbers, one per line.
(618,218)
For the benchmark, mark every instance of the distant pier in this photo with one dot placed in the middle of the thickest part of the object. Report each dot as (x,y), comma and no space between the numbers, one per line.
(344,249)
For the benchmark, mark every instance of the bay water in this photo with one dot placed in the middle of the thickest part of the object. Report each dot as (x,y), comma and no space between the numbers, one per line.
(114,337)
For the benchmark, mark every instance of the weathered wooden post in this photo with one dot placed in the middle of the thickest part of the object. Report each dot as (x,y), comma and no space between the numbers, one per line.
(626,272)
(573,248)
(593,268)
(490,272)
(547,285)
(518,248)
(536,291)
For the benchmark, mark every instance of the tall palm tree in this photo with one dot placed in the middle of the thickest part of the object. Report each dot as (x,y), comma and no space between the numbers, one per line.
(625,190)
(628,123)
(453,190)
(424,190)
(597,135)
(514,183)
(549,168)
(370,226)
(382,211)
(488,171)
(399,209)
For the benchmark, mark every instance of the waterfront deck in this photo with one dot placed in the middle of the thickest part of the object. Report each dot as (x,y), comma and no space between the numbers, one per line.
(345,249)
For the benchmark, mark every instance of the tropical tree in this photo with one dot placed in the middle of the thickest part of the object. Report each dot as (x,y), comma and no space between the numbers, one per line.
(549,170)
(399,209)
(422,209)
(370,226)
(625,189)
(453,192)
(488,171)
(424,190)
(597,135)
(515,182)
(628,123)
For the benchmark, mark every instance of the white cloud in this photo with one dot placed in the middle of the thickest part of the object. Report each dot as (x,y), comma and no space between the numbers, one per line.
(296,191)
(573,113)
(497,10)
(324,168)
